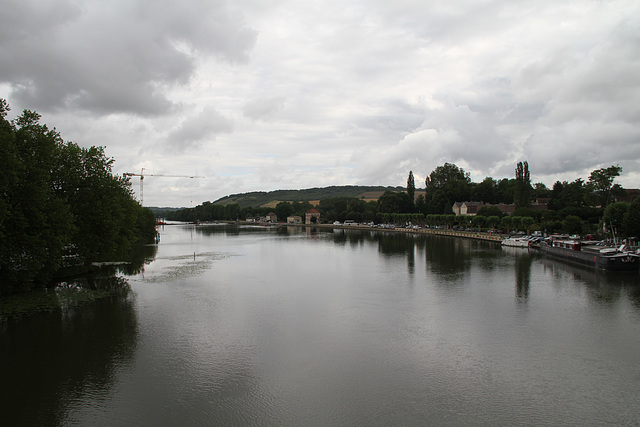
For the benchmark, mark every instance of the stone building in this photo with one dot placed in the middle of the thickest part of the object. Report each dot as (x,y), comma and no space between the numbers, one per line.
(312,216)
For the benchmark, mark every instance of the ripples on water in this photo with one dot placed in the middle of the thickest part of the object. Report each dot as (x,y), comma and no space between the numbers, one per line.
(182,266)
(303,327)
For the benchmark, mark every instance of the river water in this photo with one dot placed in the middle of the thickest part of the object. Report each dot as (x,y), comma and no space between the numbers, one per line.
(301,326)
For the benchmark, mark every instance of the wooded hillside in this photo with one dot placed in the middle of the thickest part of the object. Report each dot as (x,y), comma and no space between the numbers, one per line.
(262,198)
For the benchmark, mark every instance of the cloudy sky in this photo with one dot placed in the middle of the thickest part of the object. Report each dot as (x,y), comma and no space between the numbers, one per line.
(283,94)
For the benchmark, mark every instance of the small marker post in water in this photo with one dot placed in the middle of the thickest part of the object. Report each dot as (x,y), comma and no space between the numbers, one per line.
(194,256)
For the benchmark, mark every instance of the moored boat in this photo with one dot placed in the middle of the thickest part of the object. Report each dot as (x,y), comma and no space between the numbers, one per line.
(604,258)
(516,242)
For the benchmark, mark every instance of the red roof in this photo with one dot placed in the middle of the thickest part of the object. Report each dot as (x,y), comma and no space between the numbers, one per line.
(313,211)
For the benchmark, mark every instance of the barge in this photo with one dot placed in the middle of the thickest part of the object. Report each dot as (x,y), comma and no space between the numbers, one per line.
(601,257)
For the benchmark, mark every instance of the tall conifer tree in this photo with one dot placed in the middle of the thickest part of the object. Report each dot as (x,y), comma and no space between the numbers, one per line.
(522,195)
(411,189)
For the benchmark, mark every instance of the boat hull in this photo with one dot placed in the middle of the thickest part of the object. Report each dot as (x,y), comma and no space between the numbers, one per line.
(516,242)
(613,262)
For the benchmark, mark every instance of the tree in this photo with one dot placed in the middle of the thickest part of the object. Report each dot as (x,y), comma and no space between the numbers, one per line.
(8,164)
(370,211)
(421,204)
(56,197)
(232,211)
(506,223)
(614,215)
(37,223)
(299,208)
(601,184)
(411,190)
(522,194)
(567,195)
(516,222)
(493,221)
(486,191)
(490,211)
(526,222)
(572,224)
(540,190)
(394,202)
(444,186)
(283,210)
(478,221)
(631,224)
(506,189)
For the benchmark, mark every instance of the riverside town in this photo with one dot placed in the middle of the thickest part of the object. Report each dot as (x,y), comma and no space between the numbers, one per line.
(598,219)
(500,302)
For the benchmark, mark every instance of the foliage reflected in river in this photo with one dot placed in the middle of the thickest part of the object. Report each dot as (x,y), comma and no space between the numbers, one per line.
(60,344)
(289,326)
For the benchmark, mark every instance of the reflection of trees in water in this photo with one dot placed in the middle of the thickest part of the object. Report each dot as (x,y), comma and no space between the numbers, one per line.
(448,257)
(393,244)
(353,238)
(603,287)
(633,293)
(140,256)
(486,255)
(523,275)
(230,229)
(58,355)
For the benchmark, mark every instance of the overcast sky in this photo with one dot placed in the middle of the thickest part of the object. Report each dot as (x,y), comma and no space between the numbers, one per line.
(260,95)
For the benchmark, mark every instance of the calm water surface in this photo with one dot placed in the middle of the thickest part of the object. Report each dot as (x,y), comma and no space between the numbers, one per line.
(313,327)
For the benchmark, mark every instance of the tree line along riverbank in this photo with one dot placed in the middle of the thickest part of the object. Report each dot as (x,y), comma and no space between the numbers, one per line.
(60,205)
(475,235)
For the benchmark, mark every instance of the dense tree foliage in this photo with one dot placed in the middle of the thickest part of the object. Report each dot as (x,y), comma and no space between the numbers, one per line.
(444,186)
(263,198)
(486,191)
(631,223)
(601,186)
(395,202)
(614,216)
(522,194)
(58,199)
(411,190)
(540,191)
(283,210)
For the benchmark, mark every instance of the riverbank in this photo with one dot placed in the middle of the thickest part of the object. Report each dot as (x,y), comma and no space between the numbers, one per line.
(474,235)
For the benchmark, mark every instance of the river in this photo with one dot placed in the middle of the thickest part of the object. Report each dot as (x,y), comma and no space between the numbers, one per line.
(298,326)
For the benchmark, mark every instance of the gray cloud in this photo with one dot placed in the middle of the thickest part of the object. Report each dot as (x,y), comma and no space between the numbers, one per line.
(311,94)
(263,108)
(113,58)
(195,130)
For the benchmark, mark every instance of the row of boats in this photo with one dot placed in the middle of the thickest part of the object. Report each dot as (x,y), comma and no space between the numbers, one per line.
(601,255)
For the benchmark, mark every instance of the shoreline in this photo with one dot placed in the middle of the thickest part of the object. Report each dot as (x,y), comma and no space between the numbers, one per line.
(474,235)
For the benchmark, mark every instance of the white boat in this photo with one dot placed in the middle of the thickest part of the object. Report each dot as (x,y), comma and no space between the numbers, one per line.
(516,242)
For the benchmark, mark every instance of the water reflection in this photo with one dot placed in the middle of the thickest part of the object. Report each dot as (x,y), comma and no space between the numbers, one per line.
(448,257)
(523,276)
(140,256)
(236,230)
(395,244)
(603,288)
(353,238)
(259,332)
(59,355)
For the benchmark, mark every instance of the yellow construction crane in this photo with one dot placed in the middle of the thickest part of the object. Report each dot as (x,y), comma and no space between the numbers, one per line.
(142,175)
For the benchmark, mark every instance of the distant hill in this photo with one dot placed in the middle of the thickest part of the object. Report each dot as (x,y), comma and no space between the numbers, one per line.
(156,209)
(271,198)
